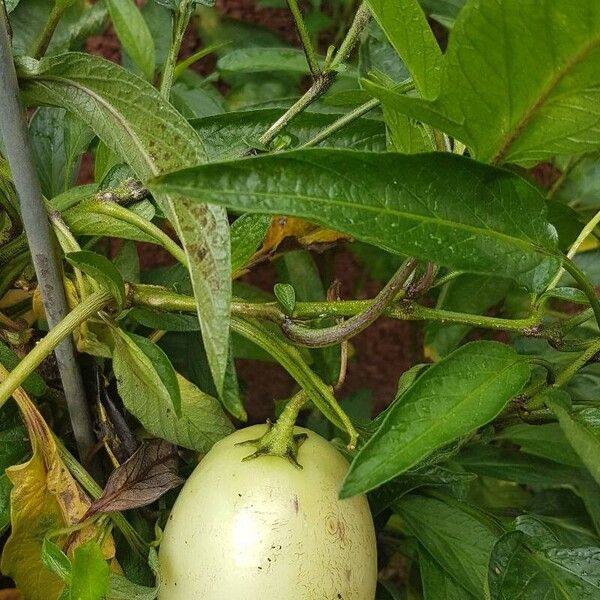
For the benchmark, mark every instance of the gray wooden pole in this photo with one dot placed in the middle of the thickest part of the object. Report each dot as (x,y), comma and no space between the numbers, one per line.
(13,127)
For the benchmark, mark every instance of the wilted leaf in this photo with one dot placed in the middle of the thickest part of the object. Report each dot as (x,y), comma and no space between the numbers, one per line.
(145,477)
(44,498)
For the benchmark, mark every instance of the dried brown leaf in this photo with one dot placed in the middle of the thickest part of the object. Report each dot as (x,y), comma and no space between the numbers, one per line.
(145,477)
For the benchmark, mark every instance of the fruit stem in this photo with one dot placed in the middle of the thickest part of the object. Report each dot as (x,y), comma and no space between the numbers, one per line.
(280,439)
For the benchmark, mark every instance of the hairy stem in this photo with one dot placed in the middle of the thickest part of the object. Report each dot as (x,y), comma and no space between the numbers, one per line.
(162,299)
(324,79)
(309,51)
(587,288)
(566,374)
(180,22)
(342,122)
(49,28)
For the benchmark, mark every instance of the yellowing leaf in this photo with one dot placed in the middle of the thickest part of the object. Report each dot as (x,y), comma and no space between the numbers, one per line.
(44,499)
(306,233)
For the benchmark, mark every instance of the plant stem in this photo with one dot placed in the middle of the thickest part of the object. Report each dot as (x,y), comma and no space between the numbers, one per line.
(180,22)
(309,51)
(88,308)
(88,483)
(327,336)
(45,261)
(162,299)
(361,20)
(586,287)
(112,209)
(49,29)
(280,439)
(342,122)
(324,79)
(583,235)
(566,374)
(320,85)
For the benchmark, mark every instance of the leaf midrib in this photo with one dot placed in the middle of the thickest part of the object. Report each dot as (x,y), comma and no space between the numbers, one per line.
(460,405)
(516,242)
(507,141)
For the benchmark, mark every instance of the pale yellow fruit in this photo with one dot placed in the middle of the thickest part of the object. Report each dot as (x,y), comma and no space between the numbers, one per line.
(264,530)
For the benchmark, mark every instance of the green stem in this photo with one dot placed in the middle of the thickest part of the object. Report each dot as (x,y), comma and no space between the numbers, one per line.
(162,299)
(95,491)
(49,29)
(324,79)
(195,57)
(320,85)
(342,122)
(112,209)
(583,235)
(587,288)
(180,22)
(327,336)
(88,308)
(361,20)
(309,51)
(280,439)
(566,374)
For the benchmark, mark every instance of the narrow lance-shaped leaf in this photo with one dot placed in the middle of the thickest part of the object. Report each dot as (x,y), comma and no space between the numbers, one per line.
(202,421)
(581,428)
(135,122)
(102,270)
(451,399)
(545,57)
(438,207)
(406,26)
(133,33)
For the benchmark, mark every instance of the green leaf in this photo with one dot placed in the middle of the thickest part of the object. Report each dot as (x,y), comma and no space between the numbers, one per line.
(581,188)
(408,31)
(437,583)
(259,60)
(102,270)
(54,559)
(83,221)
(231,134)
(286,296)
(582,429)
(90,572)
(163,367)
(134,35)
(247,233)
(443,11)
(438,207)
(544,440)
(456,535)
(451,399)
(202,421)
(58,141)
(467,294)
(546,61)
(517,571)
(135,122)
(120,588)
